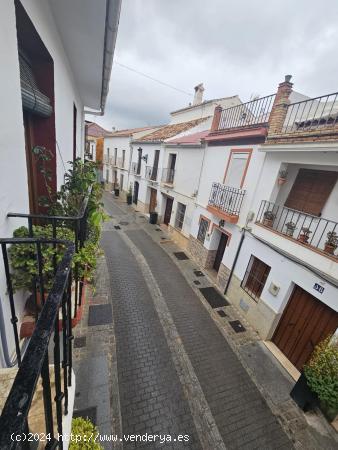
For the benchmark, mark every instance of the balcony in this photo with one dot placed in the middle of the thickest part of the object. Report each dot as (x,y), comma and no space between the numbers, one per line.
(151,173)
(315,233)
(168,176)
(88,156)
(136,169)
(226,202)
(247,115)
(313,116)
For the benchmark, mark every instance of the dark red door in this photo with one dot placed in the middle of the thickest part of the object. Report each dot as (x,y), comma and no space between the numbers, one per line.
(305,322)
(220,251)
(168,209)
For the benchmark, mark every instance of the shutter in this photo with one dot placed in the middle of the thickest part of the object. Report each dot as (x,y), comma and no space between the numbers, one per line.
(311,190)
(236,169)
(33,100)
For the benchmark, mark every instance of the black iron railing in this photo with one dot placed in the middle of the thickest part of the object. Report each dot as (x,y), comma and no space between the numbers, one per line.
(226,198)
(14,420)
(314,231)
(320,114)
(168,175)
(151,173)
(253,113)
(78,225)
(136,168)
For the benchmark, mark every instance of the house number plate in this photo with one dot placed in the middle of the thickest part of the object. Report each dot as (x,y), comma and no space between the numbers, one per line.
(319,288)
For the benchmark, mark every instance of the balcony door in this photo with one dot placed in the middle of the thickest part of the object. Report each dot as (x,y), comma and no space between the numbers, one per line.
(236,168)
(311,190)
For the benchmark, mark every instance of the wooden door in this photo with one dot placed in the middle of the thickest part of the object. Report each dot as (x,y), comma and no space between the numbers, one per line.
(220,251)
(168,209)
(311,190)
(152,203)
(305,322)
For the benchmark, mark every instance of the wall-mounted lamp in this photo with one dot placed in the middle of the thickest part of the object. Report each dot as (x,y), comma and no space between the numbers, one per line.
(221,223)
(145,158)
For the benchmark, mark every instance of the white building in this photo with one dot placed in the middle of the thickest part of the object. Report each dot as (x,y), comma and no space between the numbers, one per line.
(267,180)
(47,81)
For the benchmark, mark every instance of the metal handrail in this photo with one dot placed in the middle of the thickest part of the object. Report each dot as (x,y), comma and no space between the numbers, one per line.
(14,417)
(226,198)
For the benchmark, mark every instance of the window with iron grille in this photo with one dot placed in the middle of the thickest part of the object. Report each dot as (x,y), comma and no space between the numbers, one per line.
(202,231)
(255,277)
(180,215)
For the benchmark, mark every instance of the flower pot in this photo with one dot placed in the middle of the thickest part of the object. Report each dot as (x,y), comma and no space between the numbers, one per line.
(302,394)
(281,181)
(129,199)
(153,218)
(303,238)
(290,231)
(268,222)
(329,249)
(117,192)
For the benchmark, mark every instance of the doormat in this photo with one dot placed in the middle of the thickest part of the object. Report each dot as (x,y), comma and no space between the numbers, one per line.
(88,413)
(181,256)
(237,326)
(99,315)
(213,297)
(197,282)
(80,342)
(222,313)
(124,223)
(198,273)
(117,227)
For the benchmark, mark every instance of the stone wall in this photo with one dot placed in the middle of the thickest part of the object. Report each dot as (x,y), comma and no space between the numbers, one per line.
(199,253)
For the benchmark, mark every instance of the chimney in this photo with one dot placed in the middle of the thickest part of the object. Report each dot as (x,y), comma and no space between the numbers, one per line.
(280,106)
(198,98)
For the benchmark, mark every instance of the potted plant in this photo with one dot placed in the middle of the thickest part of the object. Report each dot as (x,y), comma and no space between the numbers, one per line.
(321,374)
(268,218)
(83,432)
(331,243)
(282,175)
(304,235)
(130,196)
(116,189)
(290,228)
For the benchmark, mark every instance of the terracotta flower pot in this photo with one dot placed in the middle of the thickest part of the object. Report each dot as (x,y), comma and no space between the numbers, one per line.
(281,181)
(303,238)
(268,222)
(329,249)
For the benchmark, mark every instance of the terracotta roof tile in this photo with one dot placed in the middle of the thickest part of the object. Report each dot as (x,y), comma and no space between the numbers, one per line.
(94,130)
(128,131)
(169,131)
(194,138)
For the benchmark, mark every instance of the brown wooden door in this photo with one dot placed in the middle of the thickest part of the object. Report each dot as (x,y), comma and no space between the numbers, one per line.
(220,251)
(305,322)
(152,203)
(168,209)
(311,190)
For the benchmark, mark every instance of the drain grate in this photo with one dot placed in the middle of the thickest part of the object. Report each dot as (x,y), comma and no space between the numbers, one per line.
(213,297)
(124,223)
(222,313)
(117,227)
(181,256)
(197,282)
(237,326)
(99,315)
(89,413)
(80,342)
(198,273)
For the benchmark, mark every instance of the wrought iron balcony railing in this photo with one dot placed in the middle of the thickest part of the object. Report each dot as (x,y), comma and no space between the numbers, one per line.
(151,173)
(136,168)
(316,232)
(89,156)
(226,198)
(168,175)
(14,420)
(250,114)
(315,114)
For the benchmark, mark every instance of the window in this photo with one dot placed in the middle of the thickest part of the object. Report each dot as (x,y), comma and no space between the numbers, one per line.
(107,175)
(202,231)
(311,190)
(115,156)
(236,168)
(180,213)
(255,277)
(123,157)
(108,153)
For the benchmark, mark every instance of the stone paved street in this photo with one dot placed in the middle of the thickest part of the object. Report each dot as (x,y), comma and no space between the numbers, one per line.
(154,395)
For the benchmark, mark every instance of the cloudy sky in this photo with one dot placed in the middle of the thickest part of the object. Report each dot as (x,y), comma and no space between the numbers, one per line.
(242,47)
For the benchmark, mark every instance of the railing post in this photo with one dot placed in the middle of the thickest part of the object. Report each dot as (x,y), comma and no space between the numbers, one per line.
(280,106)
(216,119)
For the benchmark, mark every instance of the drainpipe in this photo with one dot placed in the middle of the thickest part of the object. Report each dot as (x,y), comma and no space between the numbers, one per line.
(235,261)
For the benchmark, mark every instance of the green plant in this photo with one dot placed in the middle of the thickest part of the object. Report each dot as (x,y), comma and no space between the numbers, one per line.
(83,435)
(23,257)
(283,173)
(290,225)
(321,373)
(86,259)
(332,239)
(269,215)
(306,231)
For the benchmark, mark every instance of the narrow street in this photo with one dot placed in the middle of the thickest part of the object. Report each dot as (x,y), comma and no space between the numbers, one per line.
(177,374)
